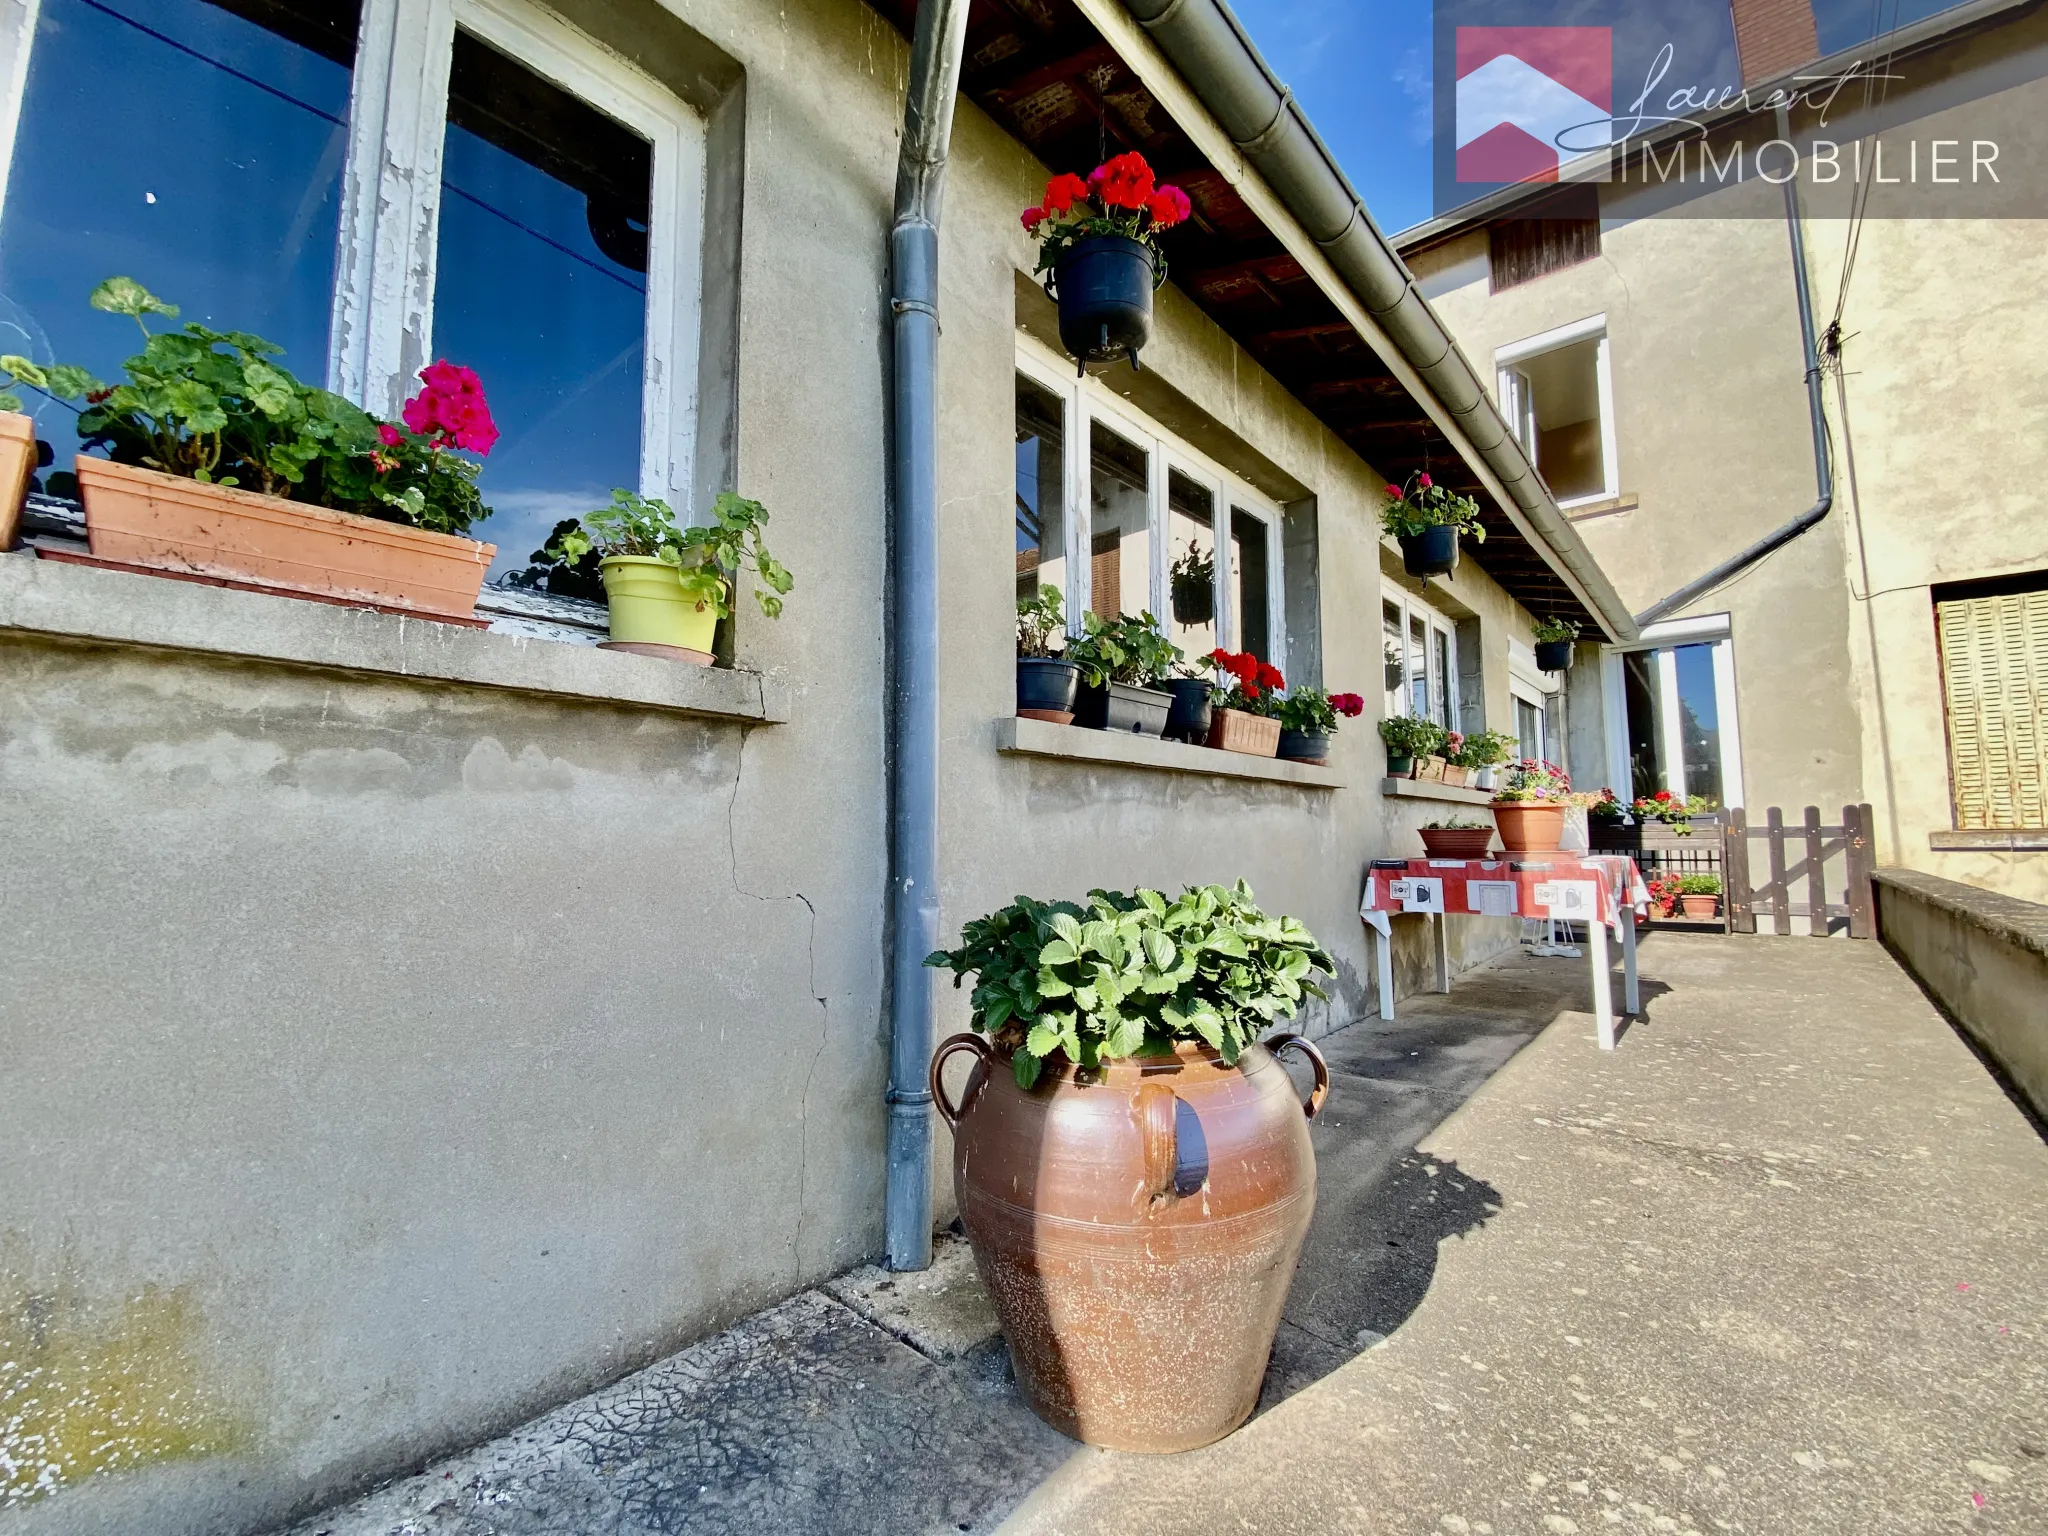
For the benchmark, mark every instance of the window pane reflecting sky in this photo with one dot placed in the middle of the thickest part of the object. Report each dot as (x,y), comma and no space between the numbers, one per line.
(177,144)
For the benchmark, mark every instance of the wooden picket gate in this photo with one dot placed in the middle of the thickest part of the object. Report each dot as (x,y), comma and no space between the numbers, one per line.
(1810,847)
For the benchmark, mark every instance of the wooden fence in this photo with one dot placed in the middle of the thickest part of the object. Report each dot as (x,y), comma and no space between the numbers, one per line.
(1796,872)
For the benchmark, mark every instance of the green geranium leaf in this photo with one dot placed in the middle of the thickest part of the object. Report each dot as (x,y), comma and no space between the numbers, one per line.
(125,296)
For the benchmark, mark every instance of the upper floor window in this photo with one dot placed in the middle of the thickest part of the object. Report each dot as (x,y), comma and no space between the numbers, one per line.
(1420,649)
(1156,527)
(1556,391)
(373,187)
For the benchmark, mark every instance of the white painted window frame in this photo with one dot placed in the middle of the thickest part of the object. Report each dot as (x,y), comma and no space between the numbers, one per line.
(1434,623)
(1511,386)
(1088,400)
(381,332)
(1665,639)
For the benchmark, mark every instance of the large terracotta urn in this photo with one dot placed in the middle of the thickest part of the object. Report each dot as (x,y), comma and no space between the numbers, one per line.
(1137,1227)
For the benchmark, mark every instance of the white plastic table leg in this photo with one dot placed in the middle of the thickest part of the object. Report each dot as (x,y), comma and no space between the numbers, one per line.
(1632,994)
(1603,989)
(1383,952)
(1441,934)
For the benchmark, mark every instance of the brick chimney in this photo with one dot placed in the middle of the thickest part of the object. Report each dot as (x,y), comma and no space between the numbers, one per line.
(1774,37)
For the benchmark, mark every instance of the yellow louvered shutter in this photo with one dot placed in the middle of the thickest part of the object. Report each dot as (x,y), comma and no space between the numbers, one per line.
(1994,666)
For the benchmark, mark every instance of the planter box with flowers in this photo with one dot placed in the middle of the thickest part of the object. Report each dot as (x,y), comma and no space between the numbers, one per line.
(1456,838)
(1133,1169)
(1529,806)
(1477,756)
(223,465)
(1427,519)
(1308,719)
(1247,717)
(1099,253)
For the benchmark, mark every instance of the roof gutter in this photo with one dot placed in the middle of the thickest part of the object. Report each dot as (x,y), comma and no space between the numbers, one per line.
(1205,43)
(1823,457)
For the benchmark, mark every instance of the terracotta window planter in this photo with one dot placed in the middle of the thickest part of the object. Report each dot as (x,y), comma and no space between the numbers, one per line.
(1455,775)
(17,463)
(1529,826)
(1457,842)
(1254,735)
(1137,1228)
(166,523)
(1431,770)
(1701,906)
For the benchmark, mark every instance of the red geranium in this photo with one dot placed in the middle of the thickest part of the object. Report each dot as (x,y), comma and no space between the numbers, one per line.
(1349,705)
(1033,217)
(1123,181)
(1269,676)
(1063,191)
(451,409)
(1169,206)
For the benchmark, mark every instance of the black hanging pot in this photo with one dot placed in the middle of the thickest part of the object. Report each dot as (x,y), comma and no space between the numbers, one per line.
(1189,718)
(1046,687)
(1104,289)
(1554,655)
(1432,552)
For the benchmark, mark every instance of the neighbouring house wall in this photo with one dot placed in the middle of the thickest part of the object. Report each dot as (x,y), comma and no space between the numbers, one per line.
(1714,442)
(387,1059)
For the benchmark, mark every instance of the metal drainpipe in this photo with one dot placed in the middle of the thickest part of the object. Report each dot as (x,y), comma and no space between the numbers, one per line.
(1823,458)
(935,53)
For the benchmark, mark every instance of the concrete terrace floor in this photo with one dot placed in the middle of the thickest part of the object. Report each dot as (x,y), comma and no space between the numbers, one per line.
(1779,1264)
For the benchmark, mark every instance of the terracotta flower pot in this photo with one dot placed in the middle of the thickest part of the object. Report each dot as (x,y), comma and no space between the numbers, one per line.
(1457,842)
(1137,1228)
(165,522)
(1701,906)
(1529,826)
(1236,731)
(17,463)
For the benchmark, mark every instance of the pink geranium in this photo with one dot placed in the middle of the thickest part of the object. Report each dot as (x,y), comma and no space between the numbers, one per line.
(451,409)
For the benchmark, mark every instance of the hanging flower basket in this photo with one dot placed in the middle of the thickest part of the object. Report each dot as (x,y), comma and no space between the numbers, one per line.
(1099,254)
(1427,519)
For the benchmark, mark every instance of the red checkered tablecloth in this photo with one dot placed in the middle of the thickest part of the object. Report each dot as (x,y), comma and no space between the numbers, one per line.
(1560,885)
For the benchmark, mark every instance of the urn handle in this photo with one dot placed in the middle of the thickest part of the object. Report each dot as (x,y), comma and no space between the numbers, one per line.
(949,1111)
(1321,1091)
(1155,1107)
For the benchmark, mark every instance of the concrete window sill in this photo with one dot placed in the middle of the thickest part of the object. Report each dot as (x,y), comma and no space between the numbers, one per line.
(1071,743)
(2024,840)
(1424,789)
(80,603)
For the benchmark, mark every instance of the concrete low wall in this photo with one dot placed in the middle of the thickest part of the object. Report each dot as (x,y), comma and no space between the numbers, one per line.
(1984,957)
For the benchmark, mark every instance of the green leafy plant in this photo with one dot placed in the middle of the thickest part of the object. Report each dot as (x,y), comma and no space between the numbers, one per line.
(1129,974)
(1129,649)
(1603,806)
(1422,504)
(711,556)
(1192,581)
(1553,629)
(1040,619)
(1699,885)
(1532,779)
(212,406)
(1409,736)
(1312,710)
(1485,749)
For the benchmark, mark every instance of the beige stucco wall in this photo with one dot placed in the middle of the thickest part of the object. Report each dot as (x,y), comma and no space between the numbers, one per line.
(386,1060)
(1713,444)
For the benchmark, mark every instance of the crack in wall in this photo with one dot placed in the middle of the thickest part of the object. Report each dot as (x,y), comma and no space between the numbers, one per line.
(811,983)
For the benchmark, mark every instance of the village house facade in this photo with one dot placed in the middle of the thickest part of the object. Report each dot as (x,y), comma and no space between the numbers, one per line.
(409,1026)
(1896,651)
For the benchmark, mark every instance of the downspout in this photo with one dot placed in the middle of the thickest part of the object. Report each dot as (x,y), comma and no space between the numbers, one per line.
(1823,457)
(935,53)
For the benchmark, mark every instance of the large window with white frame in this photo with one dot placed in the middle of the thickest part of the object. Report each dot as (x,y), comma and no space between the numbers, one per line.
(1420,649)
(1673,711)
(371,187)
(1556,392)
(1124,517)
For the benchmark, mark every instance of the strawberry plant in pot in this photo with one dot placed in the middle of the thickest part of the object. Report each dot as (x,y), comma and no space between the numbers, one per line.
(1120,663)
(220,463)
(1554,640)
(1427,518)
(1246,717)
(1047,682)
(1529,806)
(1098,248)
(1455,838)
(1132,1168)
(668,586)
(1308,719)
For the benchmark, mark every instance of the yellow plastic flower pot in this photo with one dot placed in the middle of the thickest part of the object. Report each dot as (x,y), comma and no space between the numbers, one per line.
(650,611)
